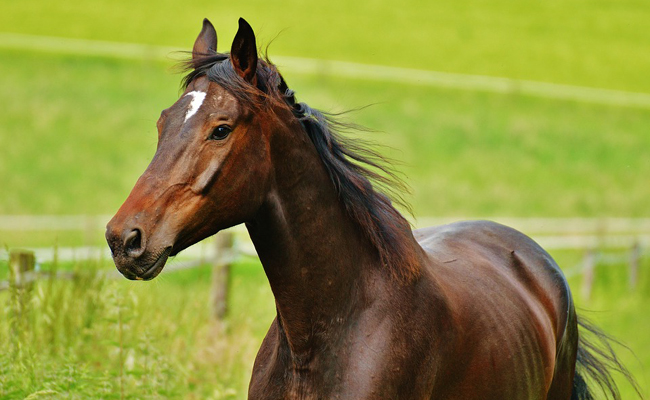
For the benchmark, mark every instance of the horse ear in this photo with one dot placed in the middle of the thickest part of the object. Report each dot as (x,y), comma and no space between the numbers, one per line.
(243,54)
(206,43)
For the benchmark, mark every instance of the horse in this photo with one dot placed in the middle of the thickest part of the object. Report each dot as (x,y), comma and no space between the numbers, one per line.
(366,307)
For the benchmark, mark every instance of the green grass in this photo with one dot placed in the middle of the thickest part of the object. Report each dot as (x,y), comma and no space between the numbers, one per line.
(74,140)
(616,310)
(469,153)
(98,338)
(113,339)
(76,131)
(69,129)
(595,43)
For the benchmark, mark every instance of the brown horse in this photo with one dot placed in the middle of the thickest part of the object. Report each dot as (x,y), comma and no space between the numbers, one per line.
(366,308)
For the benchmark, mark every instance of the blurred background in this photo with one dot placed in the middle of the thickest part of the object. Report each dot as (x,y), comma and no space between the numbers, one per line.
(534,114)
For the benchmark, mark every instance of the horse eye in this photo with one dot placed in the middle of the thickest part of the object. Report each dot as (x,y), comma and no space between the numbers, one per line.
(220,132)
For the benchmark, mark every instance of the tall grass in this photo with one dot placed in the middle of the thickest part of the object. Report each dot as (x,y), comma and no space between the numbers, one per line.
(98,338)
(95,337)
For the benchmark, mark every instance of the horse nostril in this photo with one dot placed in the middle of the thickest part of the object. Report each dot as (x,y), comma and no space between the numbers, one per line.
(133,243)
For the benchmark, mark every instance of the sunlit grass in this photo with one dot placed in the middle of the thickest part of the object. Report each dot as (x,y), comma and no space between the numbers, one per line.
(98,338)
(600,44)
(90,131)
(617,309)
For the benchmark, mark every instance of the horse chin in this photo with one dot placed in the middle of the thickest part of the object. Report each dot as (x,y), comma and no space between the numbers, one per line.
(157,266)
(147,271)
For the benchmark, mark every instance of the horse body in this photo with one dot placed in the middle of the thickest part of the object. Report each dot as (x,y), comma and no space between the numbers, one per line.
(484,301)
(366,308)
(488,302)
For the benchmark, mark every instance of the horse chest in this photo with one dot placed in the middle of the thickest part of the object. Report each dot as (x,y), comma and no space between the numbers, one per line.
(366,364)
(332,383)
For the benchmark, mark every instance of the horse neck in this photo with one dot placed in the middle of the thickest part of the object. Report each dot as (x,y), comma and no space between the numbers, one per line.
(317,260)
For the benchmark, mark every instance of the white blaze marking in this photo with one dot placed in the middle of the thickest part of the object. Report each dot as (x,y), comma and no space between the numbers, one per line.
(197,101)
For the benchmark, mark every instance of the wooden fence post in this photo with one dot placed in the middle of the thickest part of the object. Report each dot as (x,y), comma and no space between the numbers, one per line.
(635,257)
(588,273)
(21,265)
(221,274)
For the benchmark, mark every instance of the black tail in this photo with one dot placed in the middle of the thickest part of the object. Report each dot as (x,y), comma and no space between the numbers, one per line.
(595,362)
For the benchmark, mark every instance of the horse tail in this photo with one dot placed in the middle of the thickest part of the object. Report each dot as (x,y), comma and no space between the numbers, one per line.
(595,362)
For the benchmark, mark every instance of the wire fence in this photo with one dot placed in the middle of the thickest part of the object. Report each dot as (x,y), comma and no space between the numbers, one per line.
(605,242)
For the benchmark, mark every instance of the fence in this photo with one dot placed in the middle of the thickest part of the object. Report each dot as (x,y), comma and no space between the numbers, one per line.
(629,238)
(23,271)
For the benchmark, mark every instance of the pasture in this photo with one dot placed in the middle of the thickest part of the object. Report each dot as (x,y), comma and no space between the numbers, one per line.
(77,130)
(90,131)
(114,339)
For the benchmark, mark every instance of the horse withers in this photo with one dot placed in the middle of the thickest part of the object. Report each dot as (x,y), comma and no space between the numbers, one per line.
(366,308)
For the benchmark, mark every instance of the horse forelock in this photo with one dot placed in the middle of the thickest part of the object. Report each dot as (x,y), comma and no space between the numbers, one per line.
(365,180)
(218,69)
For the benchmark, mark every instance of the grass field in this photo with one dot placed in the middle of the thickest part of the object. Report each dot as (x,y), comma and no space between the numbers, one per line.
(76,131)
(93,338)
(600,44)
(78,146)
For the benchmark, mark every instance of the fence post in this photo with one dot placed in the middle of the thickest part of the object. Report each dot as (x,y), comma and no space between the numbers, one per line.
(221,274)
(588,273)
(21,264)
(635,256)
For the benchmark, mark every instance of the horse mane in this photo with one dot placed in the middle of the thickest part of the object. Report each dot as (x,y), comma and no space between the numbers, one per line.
(364,179)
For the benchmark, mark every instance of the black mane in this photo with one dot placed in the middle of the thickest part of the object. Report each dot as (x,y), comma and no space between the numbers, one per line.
(359,173)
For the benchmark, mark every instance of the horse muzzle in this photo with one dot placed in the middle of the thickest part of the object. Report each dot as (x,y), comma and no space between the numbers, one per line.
(136,257)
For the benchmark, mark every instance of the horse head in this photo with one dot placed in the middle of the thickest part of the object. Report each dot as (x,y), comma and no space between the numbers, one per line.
(211,167)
